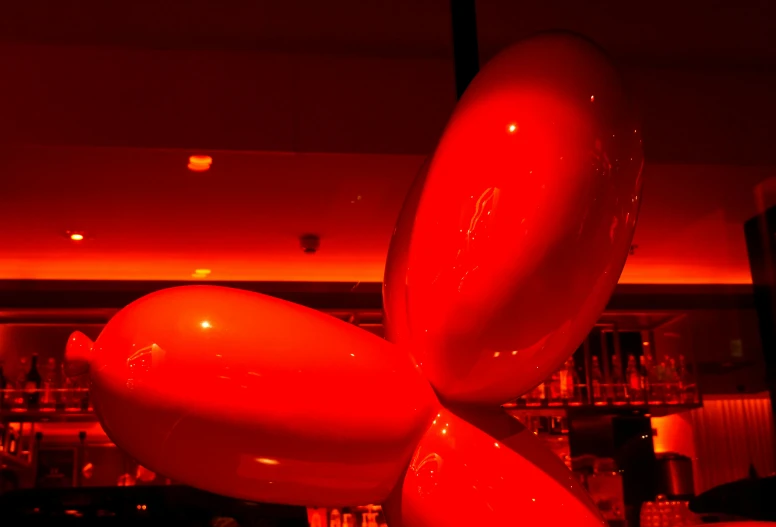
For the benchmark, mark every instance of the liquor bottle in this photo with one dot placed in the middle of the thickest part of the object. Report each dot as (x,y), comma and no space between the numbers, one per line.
(48,399)
(555,397)
(32,382)
(634,381)
(61,392)
(3,391)
(67,395)
(685,394)
(644,376)
(83,390)
(13,443)
(618,385)
(597,380)
(657,383)
(576,395)
(568,382)
(335,520)
(651,374)
(671,382)
(19,401)
(539,396)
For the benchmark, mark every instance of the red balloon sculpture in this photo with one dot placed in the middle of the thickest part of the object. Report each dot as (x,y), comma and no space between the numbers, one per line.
(504,255)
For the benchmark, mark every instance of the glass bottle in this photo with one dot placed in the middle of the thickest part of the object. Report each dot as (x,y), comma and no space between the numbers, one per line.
(61,393)
(597,381)
(657,383)
(634,381)
(13,442)
(650,373)
(19,401)
(49,385)
(32,382)
(335,520)
(576,392)
(555,397)
(644,377)
(83,393)
(618,386)
(685,393)
(568,381)
(541,394)
(671,383)
(69,393)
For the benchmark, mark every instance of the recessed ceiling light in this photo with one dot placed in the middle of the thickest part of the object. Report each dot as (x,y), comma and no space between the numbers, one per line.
(200,273)
(200,163)
(76,236)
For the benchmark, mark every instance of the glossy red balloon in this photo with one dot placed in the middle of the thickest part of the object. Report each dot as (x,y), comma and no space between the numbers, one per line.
(257,398)
(395,279)
(524,222)
(462,475)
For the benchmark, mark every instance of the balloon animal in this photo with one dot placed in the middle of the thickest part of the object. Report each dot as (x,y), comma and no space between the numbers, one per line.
(505,253)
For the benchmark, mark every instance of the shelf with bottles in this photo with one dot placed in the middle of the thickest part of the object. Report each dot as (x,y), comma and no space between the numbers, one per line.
(619,369)
(41,392)
(16,443)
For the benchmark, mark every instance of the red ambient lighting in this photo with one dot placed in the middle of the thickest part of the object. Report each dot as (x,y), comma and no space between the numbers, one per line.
(200,163)
(499,228)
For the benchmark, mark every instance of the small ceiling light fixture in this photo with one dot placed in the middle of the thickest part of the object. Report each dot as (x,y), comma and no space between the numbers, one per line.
(512,128)
(200,273)
(200,163)
(76,236)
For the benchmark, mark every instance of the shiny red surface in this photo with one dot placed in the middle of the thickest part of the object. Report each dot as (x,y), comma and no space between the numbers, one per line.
(524,222)
(395,277)
(502,259)
(462,475)
(254,397)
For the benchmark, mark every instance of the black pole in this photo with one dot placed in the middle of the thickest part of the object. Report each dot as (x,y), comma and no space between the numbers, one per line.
(758,232)
(465,49)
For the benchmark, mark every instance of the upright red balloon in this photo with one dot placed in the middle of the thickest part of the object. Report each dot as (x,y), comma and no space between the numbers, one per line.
(395,279)
(254,397)
(524,222)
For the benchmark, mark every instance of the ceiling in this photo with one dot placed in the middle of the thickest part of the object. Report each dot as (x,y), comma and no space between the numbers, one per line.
(318,116)
(146,216)
(659,31)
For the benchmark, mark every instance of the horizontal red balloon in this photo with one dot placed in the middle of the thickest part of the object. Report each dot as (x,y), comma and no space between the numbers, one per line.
(257,398)
(463,475)
(523,224)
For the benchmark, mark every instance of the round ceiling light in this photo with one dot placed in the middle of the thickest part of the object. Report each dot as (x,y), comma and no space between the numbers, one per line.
(200,163)
(76,236)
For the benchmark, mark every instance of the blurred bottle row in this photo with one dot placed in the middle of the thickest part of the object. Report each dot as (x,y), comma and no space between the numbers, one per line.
(43,387)
(639,383)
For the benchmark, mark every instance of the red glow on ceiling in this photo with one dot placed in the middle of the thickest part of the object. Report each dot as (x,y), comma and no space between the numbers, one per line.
(253,234)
